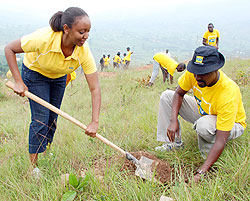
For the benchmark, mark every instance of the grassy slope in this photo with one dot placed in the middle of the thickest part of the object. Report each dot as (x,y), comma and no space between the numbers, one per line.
(128,118)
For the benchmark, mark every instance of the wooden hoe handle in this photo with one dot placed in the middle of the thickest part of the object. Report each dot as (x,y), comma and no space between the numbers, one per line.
(66,116)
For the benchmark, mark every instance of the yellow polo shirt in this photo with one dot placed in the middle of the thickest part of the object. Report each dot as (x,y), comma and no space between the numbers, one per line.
(222,99)
(44,55)
(166,62)
(211,37)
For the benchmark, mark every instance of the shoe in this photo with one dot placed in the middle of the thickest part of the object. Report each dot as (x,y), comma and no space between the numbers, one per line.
(170,146)
(150,84)
(36,173)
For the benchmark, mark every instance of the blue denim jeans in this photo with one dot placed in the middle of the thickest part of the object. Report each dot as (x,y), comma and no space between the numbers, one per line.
(43,121)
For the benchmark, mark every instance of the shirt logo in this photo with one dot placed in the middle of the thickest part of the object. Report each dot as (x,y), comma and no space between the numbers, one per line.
(71,68)
(201,111)
(199,60)
(211,41)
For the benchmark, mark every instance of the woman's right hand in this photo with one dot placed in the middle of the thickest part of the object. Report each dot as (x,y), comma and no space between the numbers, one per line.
(20,88)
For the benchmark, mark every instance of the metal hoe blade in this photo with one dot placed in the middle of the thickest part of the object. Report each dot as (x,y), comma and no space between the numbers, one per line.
(144,169)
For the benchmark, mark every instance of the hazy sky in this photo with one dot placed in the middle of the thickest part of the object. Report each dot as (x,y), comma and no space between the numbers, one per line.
(95,7)
(154,18)
(91,6)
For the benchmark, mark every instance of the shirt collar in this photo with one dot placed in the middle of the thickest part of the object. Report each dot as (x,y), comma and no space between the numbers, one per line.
(56,43)
(56,46)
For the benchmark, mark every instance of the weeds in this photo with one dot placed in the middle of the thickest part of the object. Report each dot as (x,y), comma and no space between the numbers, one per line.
(129,119)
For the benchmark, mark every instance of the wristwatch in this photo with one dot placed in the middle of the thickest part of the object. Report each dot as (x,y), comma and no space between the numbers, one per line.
(201,172)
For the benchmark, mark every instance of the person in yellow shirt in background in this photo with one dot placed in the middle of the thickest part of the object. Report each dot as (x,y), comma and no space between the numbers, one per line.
(211,36)
(9,74)
(216,110)
(167,65)
(108,60)
(128,57)
(50,54)
(124,61)
(70,78)
(117,60)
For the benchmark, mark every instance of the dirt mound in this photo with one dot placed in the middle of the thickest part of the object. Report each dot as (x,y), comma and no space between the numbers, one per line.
(163,171)
(106,74)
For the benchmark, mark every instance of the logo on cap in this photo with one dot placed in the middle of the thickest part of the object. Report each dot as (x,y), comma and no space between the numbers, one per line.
(199,60)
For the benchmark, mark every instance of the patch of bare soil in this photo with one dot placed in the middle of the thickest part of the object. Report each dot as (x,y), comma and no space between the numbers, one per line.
(144,67)
(163,171)
(106,74)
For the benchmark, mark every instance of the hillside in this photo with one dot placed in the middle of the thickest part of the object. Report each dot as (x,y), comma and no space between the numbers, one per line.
(128,118)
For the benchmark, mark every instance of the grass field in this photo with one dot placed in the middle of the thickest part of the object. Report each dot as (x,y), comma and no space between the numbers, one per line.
(128,118)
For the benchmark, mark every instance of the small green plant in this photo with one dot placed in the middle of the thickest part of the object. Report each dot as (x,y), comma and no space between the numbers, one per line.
(75,186)
(243,77)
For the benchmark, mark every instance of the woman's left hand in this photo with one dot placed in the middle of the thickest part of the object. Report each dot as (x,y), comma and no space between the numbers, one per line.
(91,129)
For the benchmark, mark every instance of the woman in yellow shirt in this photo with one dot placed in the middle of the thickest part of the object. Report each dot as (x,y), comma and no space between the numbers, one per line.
(51,54)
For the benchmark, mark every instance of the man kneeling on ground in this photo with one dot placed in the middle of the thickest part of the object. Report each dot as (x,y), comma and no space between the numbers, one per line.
(216,111)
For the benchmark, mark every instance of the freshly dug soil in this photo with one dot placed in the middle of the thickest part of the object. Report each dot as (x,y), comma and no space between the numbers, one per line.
(163,171)
(162,168)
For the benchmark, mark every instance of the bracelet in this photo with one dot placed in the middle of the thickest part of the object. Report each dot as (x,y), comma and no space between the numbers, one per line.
(201,172)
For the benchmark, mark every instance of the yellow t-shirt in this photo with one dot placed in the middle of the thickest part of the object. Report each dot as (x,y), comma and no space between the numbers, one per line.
(125,59)
(70,77)
(117,59)
(211,37)
(9,74)
(106,61)
(44,54)
(166,62)
(222,99)
(128,56)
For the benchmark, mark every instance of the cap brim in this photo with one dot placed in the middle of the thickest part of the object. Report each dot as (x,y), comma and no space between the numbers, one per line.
(199,70)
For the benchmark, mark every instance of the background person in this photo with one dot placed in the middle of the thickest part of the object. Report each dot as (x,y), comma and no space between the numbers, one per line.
(128,57)
(108,60)
(102,62)
(124,60)
(51,54)
(167,52)
(216,111)
(117,60)
(211,36)
(167,65)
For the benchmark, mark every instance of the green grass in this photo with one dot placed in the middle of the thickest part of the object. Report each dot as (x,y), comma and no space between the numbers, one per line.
(128,118)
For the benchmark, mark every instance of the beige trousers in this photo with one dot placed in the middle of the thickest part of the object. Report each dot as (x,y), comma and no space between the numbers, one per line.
(205,126)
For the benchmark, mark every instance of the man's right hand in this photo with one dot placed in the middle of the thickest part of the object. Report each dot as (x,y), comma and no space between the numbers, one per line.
(172,129)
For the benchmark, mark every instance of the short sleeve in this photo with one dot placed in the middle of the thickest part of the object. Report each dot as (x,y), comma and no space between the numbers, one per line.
(218,34)
(88,63)
(226,116)
(185,81)
(32,42)
(205,35)
(29,43)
